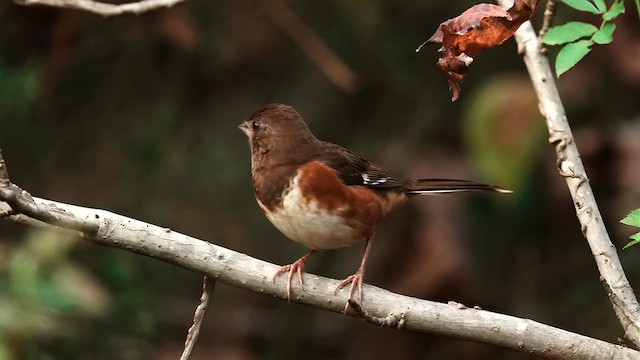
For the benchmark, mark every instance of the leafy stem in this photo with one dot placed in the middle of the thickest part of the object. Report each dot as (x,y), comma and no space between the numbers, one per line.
(578,37)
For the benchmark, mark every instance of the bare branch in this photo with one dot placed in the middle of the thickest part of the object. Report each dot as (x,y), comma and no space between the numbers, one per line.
(549,13)
(21,202)
(391,320)
(192,336)
(4,173)
(571,168)
(339,73)
(243,271)
(105,9)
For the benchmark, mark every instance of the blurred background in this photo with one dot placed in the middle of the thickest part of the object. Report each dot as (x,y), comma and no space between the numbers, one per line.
(137,115)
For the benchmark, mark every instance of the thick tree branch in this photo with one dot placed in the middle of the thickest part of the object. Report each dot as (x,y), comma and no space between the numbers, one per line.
(571,168)
(243,271)
(105,9)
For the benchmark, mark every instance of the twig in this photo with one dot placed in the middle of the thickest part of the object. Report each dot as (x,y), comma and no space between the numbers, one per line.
(21,202)
(198,317)
(571,168)
(243,271)
(339,73)
(105,9)
(4,173)
(391,320)
(549,13)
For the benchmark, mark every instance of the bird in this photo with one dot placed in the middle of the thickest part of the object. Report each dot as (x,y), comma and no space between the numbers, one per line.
(322,195)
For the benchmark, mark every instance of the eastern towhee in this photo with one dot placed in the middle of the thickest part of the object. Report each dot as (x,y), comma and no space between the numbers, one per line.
(322,195)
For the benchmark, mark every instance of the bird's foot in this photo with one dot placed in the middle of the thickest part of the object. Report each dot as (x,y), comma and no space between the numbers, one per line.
(296,268)
(356,282)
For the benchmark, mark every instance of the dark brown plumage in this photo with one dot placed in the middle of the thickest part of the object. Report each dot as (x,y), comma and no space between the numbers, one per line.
(321,194)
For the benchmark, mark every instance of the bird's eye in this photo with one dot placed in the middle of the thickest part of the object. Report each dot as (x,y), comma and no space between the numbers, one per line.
(257,125)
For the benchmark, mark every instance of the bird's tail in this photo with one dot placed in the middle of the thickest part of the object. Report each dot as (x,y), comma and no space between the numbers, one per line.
(441,186)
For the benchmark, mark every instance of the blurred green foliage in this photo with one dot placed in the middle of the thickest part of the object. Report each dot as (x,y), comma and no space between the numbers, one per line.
(504,131)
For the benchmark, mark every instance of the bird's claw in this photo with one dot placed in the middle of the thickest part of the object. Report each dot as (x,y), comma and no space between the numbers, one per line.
(356,281)
(295,268)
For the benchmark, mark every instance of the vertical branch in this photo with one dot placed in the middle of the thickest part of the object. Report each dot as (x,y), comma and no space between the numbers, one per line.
(4,173)
(571,168)
(198,317)
(549,14)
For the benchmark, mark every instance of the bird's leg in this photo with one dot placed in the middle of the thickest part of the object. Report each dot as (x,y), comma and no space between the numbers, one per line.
(356,279)
(296,267)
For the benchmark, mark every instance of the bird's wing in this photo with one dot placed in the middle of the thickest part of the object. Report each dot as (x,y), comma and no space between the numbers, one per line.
(354,170)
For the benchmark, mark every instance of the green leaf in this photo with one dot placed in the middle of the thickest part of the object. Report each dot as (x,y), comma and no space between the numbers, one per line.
(583,5)
(638,6)
(633,219)
(604,35)
(600,4)
(616,9)
(571,54)
(568,32)
(636,239)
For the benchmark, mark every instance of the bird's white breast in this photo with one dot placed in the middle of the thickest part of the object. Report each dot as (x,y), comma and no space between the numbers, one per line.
(303,221)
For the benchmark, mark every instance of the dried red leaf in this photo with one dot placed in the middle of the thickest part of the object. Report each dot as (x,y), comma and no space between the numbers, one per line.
(481,26)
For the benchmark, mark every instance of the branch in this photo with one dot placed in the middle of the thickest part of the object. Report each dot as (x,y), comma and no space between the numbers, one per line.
(549,14)
(194,331)
(21,202)
(571,168)
(243,271)
(105,9)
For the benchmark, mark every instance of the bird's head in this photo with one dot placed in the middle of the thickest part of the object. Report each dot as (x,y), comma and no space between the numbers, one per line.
(275,126)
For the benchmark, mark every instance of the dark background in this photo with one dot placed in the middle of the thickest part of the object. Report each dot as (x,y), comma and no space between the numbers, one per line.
(137,115)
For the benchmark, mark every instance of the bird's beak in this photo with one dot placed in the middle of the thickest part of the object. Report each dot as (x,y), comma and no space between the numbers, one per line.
(245,128)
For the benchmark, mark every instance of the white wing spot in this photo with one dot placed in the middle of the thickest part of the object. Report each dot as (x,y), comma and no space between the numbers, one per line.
(369,181)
